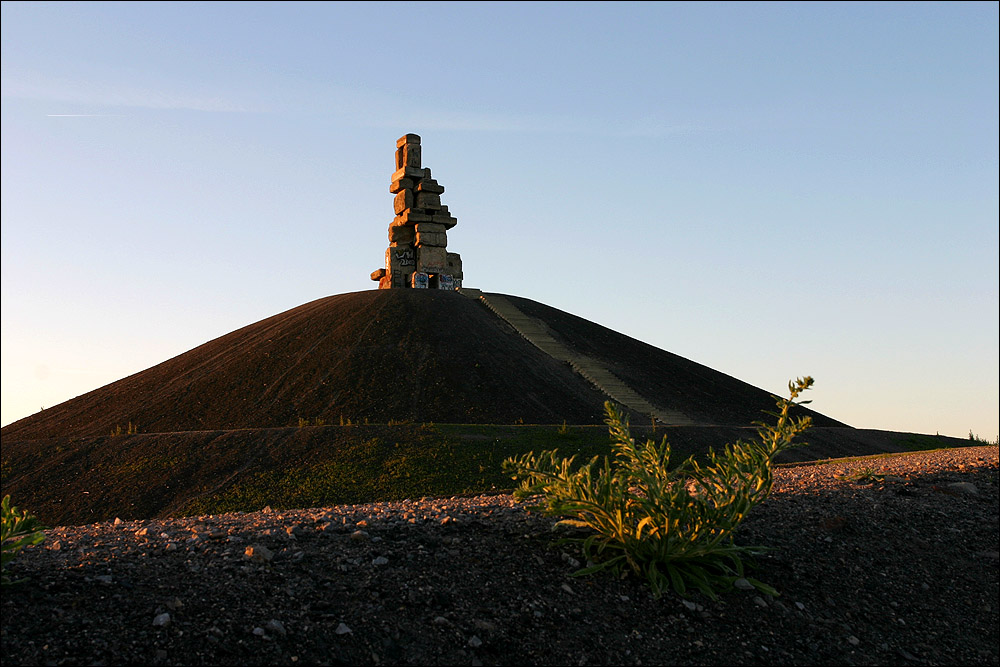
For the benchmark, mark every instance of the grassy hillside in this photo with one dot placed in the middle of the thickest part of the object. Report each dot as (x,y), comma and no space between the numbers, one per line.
(85,480)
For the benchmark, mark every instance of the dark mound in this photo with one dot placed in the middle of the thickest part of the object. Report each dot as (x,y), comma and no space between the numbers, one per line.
(394,355)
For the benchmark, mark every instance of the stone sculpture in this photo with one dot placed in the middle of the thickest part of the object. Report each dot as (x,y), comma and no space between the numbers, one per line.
(417,256)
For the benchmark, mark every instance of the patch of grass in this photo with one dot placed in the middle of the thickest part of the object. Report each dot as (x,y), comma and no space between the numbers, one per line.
(363,470)
(145,464)
(919,443)
(408,461)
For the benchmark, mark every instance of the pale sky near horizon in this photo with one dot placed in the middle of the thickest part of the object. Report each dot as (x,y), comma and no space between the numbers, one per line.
(771,190)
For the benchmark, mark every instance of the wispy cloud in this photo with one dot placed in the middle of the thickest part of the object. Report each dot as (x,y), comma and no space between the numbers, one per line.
(102,94)
(367,108)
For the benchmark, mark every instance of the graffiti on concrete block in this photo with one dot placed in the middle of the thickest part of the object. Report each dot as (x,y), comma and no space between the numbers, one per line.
(420,280)
(405,257)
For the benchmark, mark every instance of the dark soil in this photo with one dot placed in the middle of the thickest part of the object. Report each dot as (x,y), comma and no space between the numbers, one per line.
(882,561)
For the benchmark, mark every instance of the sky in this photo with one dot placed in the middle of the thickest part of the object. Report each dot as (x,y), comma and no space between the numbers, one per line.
(771,190)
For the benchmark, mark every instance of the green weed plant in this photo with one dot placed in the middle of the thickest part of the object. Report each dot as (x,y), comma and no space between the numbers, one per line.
(974,437)
(17,530)
(674,527)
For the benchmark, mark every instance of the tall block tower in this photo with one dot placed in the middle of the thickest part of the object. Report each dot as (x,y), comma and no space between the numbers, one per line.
(417,256)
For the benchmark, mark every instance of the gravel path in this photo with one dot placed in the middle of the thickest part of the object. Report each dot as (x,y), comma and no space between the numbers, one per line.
(881,560)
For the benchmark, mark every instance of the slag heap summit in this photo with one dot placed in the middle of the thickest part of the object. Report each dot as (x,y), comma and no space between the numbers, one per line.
(417,255)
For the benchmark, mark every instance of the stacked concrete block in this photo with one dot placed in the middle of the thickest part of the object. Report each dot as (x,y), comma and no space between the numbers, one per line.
(417,256)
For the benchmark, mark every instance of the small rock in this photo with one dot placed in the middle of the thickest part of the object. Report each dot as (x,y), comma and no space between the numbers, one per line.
(759,601)
(569,560)
(567,588)
(853,641)
(743,584)
(359,535)
(475,642)
(259,553)
(275,626)
(161,620)
(381,560)
(259,631)
(342,629)
(117,522)
(104,578)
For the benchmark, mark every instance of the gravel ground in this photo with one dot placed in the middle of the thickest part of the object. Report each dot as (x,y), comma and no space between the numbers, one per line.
(879,561)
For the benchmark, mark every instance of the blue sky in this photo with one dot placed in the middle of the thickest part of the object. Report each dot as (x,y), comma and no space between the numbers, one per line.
(771,190)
